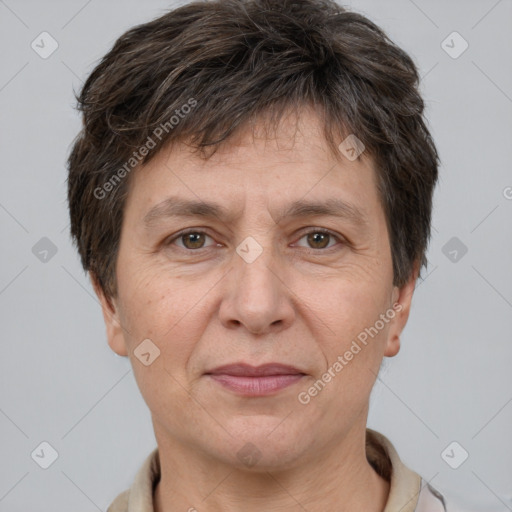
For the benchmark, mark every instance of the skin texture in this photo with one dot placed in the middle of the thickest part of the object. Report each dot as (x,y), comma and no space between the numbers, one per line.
(301,302)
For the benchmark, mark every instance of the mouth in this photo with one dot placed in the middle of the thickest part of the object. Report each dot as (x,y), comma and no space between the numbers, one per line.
(247,380)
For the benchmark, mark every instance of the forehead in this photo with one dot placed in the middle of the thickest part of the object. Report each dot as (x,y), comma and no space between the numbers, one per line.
(291,167)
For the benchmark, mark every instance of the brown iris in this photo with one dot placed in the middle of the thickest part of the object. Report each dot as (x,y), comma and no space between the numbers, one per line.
(318,238)
(196,240)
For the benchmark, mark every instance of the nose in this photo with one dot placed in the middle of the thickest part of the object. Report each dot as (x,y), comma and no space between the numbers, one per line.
(256,294)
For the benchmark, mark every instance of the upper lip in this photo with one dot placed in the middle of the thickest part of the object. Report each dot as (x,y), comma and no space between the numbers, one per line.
(246,370)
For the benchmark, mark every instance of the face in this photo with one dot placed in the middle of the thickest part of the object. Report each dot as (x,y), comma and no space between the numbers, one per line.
(271,251)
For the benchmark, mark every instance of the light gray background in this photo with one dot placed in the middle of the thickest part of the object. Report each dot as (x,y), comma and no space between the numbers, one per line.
(60,382)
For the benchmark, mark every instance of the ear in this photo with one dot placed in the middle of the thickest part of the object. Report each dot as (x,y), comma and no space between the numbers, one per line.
(401,304)
(115,335)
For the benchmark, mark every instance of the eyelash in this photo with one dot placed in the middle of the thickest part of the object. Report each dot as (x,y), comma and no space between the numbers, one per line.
(309,250)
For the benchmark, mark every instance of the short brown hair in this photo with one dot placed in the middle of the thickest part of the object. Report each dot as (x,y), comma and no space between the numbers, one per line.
(229,62)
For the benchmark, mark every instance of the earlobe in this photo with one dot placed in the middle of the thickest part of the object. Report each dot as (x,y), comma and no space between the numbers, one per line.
(113,327)
(402,299)
(392,346)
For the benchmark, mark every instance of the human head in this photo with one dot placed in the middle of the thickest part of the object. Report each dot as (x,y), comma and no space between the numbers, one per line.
(171,109)
(206,70)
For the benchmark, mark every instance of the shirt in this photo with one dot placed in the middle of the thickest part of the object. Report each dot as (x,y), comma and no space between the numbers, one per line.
(408,492)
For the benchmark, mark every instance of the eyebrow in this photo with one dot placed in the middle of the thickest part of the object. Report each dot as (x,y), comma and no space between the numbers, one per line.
(178,207)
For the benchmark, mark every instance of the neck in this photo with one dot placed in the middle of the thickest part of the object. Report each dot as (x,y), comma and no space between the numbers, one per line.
(339,478)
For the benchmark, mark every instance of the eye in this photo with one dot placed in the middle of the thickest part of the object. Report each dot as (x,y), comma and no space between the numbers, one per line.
(195,240)
(192,240)
(320,239)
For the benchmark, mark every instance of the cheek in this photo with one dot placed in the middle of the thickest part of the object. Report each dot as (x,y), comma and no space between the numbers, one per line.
(160,307)
(348,302)
(166,311)
(353,349)
(347,316)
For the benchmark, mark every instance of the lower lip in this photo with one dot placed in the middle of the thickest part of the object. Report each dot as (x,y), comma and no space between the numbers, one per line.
(256,386)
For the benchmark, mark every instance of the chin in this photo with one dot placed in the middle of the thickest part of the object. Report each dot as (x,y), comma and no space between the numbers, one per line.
(258,444)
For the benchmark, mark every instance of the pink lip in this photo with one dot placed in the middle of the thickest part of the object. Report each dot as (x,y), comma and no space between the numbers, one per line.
(256,381)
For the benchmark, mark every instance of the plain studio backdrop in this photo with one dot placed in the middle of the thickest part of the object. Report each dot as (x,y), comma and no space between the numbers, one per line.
(445,401)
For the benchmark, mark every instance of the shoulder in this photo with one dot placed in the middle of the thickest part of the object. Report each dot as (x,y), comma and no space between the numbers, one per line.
(430,500)
(408,492)
(120,504)
(139,497)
